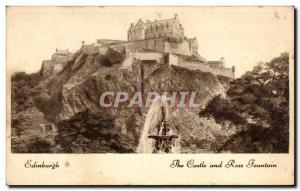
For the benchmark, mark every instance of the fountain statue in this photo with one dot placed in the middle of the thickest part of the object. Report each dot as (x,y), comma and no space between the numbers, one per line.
(157,136)
(164,138)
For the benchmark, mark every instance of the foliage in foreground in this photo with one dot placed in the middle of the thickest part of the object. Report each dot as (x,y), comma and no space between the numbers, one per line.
(88,132)
(257,103)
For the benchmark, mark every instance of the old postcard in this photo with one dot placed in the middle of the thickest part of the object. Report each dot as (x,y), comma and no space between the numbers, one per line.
(150,95)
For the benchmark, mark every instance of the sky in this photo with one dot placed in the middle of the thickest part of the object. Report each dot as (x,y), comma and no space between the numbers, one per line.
(244,36)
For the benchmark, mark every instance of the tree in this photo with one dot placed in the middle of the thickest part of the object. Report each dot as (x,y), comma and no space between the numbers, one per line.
(88,132)
(23,90)
(258,105)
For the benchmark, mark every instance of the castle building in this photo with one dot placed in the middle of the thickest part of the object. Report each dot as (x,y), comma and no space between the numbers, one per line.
(171,28)
(160,41)
(161,35)
(167,37)
(57,62)
(61,55)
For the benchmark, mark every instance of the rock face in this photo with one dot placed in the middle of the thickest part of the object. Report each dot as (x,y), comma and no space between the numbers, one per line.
(78,87)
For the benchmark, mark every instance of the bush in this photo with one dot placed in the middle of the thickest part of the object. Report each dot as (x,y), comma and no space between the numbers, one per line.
(38,145)
(88,132)
(23,90)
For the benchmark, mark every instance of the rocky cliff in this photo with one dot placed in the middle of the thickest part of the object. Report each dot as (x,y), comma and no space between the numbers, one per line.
(70,100)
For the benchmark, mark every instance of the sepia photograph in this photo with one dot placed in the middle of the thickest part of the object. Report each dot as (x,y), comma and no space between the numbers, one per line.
(196,81)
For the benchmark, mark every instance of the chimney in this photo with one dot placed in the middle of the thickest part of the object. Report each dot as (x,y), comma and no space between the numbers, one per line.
(56,49)
(176,16)
(132,24)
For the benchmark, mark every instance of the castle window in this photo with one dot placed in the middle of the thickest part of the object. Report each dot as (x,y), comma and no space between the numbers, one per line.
(156,27)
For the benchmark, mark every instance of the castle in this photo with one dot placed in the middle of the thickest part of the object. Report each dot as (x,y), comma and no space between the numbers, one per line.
(162,35)
(162,28)
(56,64)
(152,41)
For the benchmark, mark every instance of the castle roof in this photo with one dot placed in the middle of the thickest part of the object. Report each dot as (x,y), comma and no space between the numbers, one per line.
(141,24)
(157,22)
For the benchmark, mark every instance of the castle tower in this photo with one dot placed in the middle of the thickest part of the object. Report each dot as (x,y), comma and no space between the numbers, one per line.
(139,30)
(131,32)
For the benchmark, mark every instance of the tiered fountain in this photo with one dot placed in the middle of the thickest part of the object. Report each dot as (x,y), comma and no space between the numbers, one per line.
(163,139)
(157,136)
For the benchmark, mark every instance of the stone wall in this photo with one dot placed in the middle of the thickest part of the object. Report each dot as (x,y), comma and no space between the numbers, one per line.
(178,48)
(56,64)
(160,44)
(60,58)
(224,72)
(153,44)
(47,67)
(196,66)
(204,67)
(137,50)
(174,60)
(57,67)
(106,42)
(150,56)
(154,31)
(51,67)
